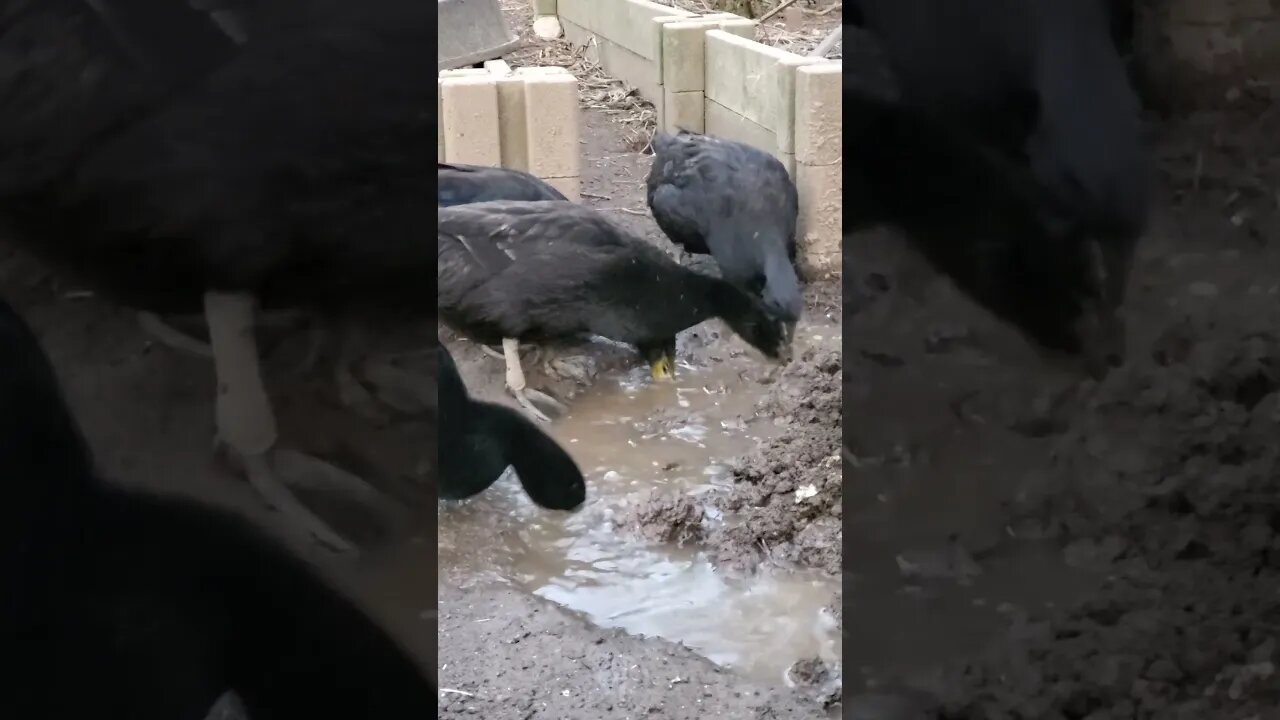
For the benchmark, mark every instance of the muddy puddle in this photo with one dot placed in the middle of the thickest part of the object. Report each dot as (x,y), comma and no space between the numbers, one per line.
(633,437)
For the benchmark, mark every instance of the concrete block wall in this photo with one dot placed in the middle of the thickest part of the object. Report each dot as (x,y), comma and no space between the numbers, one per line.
(527,119)
(707,74)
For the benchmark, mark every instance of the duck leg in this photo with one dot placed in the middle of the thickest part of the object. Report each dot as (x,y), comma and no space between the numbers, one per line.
(247,425)
(502,356)
(351,393)
(168,335)
(516,383)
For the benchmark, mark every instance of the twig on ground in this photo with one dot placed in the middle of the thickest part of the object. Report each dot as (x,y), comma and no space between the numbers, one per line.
(456,692)
(781,6)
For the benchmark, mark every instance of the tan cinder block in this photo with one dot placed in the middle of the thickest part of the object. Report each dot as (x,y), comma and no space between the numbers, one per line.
(721,121)
(513,138)
(470,119)
(786,124)
(439,124)
(821,218)
(551,124)
(629,23)
(545,7)
(818,138)
(740,26)
(497,67)
(659,23)
(682,111)
(582,13)
(743,76)
(682,52)
(639,72)
(571,187)
(511,104)
(574,34)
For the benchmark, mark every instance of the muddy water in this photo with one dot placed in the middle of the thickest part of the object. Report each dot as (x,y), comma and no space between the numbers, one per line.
(631,437)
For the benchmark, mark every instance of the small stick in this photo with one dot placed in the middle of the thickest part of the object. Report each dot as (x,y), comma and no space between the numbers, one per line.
(781,6)
(594,196)
(828,42)
(456,692)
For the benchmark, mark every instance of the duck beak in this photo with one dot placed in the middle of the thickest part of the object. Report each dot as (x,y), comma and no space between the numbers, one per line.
(662,369)
(786,349)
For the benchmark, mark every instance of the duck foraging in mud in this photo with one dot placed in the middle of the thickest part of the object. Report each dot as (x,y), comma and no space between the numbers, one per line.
(480,440)
(547,271)
(736,203)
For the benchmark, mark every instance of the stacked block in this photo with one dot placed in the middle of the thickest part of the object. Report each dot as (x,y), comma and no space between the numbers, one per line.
(819,153)
(707,74)
(524,120)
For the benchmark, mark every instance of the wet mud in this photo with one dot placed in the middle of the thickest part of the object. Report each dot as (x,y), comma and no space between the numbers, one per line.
(606,597)
(1068,549)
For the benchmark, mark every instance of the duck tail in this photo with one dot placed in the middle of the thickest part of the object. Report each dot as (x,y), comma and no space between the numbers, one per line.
(44,460)
(544,468)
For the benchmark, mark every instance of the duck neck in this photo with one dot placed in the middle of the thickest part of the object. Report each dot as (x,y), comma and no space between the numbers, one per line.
(715,298)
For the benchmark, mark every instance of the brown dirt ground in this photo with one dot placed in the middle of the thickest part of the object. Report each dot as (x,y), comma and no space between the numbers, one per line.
(1163,481)
(488,633)
(788,500)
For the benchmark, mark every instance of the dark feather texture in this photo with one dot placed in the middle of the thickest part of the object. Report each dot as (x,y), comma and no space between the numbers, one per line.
(294,170)
(117,604)
(480,440)
(546,271)
(734,202)
(978,217)
(463,184)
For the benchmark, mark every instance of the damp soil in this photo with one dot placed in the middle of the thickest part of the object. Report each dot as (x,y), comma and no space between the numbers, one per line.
(1069,549)
(651,589)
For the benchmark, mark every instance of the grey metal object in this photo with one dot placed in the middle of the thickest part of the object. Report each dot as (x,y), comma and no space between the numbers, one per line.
(472,31)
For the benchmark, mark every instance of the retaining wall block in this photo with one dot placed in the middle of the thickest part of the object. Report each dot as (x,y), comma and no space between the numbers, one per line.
(581,13)
(740,26)
(744,76)
(629,23)
(469,118)
(545,7)
(818,138)
(683,111)
(551,124)
(683,45)
(439,123)
(788,68)
(727,123)
(821,218)
(513,139)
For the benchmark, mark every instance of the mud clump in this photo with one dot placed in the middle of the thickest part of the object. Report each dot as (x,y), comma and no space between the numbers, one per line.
(1169,482)
(667,518)
(785,503)
(817,679)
